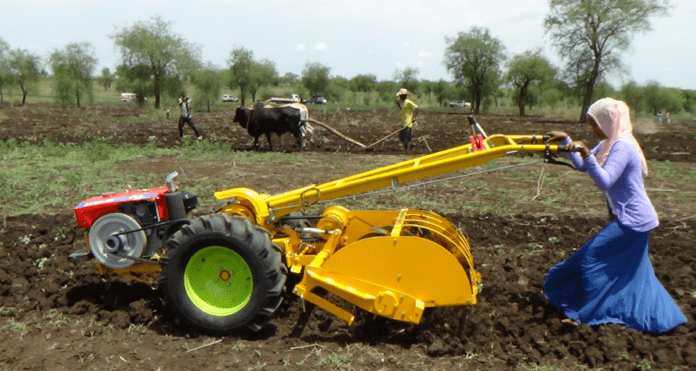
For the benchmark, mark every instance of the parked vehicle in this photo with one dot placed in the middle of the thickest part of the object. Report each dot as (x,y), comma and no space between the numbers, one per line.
(229,98)
(295,98)
(460,103)
(128,97)
(315,99)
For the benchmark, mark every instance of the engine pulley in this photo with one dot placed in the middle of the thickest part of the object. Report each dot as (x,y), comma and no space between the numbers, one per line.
(115,241)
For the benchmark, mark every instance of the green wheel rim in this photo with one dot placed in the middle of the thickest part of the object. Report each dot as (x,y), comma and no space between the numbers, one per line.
(218,281)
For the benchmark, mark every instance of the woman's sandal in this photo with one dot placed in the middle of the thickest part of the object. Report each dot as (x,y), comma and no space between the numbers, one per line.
(570,322)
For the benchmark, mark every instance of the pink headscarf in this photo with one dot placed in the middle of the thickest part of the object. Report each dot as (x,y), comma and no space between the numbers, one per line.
(614,119)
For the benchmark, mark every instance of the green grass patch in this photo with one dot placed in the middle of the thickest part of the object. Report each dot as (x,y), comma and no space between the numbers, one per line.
(53,178)
(17,327)
(677,172)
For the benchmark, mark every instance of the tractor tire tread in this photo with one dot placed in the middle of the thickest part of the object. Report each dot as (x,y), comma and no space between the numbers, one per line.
(258,243)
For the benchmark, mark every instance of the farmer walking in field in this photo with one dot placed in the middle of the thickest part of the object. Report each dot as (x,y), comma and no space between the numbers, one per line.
(185,117)
(408,115)
(611,279)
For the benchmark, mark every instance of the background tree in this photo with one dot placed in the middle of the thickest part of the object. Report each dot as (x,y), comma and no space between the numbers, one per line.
(492,88)
(443,91)
(315,77)
(135,80)
(632,94)
(262,73)
(659,99)
(241,61)
(407,78)
(689,102)
(427,87)
(5,78)
(207,83)
(529,68)
(152,44)
(475,59)
(106,78)
(24,70)
(337,88)
(289,79)
(387,91)
(363,83)
(552,94)
(588,35)
(73,67)
(172,86)
(605,89)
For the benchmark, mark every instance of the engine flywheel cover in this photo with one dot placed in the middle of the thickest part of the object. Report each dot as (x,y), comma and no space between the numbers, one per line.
(110,244)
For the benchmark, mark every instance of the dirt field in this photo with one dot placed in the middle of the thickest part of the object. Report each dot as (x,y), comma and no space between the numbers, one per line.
(77,320)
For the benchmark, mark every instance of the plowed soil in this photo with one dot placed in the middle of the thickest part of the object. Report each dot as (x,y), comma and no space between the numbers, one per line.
(78,320)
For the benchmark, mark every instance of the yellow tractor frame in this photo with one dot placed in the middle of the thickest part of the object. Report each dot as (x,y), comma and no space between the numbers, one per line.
(393,263)
(390,263)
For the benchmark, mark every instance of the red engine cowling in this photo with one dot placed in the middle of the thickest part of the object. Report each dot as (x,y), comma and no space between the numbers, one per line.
(89,210)
(127,227)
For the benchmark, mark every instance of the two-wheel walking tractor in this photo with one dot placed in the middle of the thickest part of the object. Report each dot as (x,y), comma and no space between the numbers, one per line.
(226,272)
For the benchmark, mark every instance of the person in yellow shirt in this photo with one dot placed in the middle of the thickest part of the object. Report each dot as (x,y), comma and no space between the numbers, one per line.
(408,118)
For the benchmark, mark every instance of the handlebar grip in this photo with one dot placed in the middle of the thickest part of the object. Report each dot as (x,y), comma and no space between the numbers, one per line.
(472,120)
(568,148)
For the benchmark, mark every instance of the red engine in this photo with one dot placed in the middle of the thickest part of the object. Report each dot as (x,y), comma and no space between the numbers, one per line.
(143,203)
(128,227)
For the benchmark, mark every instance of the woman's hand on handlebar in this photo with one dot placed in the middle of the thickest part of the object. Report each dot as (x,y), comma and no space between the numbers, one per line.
(557,136)
(579,146)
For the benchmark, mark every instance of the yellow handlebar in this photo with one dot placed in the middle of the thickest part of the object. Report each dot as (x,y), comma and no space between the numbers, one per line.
(480,151)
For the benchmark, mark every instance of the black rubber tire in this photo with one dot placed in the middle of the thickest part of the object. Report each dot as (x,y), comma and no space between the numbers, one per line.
(253,245)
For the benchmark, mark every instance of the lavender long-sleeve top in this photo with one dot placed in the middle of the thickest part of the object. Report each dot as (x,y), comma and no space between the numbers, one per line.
(622,178)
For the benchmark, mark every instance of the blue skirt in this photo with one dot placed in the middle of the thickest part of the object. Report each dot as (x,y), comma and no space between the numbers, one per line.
(611,280)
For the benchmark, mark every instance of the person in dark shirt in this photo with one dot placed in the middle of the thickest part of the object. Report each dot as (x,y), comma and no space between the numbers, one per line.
(185,117)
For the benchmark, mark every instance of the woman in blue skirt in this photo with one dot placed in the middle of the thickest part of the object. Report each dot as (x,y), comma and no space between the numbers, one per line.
(610,279)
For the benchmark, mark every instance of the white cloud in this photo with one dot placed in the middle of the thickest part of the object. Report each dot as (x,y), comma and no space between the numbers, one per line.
(321,46)
(301,48)
(406,45)
(422,54)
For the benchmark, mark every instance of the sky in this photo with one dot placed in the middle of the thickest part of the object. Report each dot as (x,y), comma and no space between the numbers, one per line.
(377,37)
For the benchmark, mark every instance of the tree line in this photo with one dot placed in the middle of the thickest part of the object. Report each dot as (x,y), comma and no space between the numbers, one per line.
(589,36)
